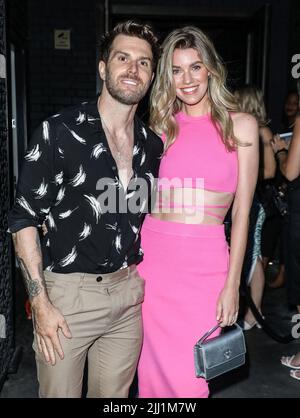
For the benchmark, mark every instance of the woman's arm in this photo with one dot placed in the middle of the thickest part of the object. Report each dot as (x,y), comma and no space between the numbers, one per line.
(246,130)
(268,154)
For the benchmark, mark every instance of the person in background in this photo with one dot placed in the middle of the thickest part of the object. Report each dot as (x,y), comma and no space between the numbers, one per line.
(289,164)
(291,109)
(210,162)
(275,227)
(250,100)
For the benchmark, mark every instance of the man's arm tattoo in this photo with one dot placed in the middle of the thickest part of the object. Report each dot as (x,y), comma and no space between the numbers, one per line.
(33,286)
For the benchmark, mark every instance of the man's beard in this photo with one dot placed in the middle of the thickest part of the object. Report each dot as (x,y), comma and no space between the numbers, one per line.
(125,97)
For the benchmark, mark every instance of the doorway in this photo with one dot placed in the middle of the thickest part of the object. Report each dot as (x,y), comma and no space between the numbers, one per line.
(241,40)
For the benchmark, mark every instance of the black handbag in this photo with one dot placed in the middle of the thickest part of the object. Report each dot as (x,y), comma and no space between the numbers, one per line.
(220,354)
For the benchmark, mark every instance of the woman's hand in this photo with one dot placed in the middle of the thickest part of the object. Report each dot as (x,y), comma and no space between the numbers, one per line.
(228,306)
(279,143)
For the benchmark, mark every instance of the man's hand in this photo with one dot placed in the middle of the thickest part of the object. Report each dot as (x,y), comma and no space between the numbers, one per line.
(47,321)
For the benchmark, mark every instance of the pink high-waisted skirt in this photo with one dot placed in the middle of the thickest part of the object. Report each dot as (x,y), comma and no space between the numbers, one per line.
(185,267)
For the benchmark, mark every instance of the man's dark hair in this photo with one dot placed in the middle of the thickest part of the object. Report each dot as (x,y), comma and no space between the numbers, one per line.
(134,29)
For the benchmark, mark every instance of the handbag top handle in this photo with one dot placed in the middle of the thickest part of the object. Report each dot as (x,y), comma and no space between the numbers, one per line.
(211,331)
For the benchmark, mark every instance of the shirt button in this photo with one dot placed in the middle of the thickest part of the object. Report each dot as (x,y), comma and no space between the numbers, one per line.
(119,230)
(99,279)
(111,264)
(114,167)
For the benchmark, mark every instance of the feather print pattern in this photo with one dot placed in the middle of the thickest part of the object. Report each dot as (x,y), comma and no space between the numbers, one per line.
(118,244)
(143,205)
(111,227)
(81,118)
(95,205)
(59,178)
(25,205)
(50,268)
(66,214)
(151,178)
(46,136)
(124,265)
(69,259)
(136,150)
(66,159)
(129,195)
(79,178)
(75,135)
(60,195)
(144,132)
(87,230)
(117,183)
(98,150)
(51,221)
(45,211)
(135,230)
(61,152)
(91,119)
(41,191)
(143,159)
(104,264)
(34,154)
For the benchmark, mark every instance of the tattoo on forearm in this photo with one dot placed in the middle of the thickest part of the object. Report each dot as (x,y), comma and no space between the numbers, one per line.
(33,286)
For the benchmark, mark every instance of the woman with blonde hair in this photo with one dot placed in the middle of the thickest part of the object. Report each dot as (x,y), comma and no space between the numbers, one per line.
(210,162)
(250,100)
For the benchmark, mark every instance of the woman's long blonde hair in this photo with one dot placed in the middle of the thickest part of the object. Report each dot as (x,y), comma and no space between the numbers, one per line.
(250,99)
(163,102)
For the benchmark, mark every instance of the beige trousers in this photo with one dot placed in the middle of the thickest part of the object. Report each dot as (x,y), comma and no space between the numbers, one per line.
(103,313)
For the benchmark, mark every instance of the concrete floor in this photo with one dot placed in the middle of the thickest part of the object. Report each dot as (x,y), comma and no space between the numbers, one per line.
(262,377)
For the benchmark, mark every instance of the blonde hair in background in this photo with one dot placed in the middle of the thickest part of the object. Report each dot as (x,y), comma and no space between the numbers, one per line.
(250,99)
(163,102)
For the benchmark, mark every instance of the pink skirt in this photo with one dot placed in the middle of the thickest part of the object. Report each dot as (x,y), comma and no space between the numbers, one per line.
(185,268)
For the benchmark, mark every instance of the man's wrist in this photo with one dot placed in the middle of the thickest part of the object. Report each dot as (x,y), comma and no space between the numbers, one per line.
(39,300)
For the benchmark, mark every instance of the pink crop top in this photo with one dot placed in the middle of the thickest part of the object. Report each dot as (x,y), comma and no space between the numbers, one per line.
(199,153)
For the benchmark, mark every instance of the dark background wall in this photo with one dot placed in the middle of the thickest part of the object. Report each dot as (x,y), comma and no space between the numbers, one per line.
(6,293)
(294,44)
(281,10)
(59,78)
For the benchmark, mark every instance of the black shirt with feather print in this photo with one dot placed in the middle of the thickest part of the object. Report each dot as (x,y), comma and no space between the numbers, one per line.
(66,175)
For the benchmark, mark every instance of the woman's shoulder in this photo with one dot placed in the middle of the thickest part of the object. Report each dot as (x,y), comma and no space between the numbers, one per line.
(241,117)
(244,122)
(245,126)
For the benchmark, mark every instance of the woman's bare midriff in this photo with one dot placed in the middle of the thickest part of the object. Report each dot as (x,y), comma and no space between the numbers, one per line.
(192,206)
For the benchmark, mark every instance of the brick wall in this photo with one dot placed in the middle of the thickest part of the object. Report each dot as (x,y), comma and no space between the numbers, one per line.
(59,78)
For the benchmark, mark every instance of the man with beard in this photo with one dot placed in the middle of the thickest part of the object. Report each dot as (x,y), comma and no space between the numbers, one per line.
(88,177)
